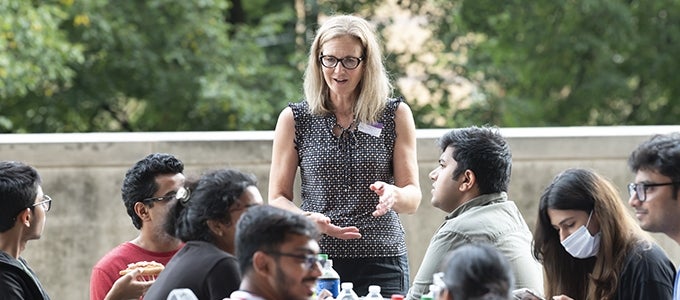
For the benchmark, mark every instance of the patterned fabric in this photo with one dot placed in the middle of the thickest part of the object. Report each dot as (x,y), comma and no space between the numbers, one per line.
(336,173)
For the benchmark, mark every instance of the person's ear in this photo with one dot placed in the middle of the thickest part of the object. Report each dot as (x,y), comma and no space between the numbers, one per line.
(262,263)
(142,211)
(468,180)
(25,216)
(215,227)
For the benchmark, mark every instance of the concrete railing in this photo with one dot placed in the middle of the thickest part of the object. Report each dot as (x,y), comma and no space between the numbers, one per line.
(83,174)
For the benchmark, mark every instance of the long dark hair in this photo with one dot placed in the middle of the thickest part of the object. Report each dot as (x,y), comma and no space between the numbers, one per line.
(596,277)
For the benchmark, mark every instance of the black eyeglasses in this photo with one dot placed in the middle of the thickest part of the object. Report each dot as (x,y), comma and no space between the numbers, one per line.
(309,259)
(640,189)
(182,194)
(349,62)
(46,203)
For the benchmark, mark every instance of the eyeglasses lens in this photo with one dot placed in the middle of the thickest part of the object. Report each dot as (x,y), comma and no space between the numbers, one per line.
(311,260)
(638,189)
(332,62)
(641,191)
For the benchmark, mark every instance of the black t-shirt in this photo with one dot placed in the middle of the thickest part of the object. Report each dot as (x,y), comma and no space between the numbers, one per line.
(201,267)
(18,281)
(647,274)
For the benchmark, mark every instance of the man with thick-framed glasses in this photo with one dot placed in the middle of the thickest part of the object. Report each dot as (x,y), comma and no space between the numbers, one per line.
(655,193)
(149,189)
(277,255)
(23,212)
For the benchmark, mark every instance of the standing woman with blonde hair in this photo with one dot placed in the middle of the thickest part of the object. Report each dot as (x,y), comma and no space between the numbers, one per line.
(356,150)
(592,248)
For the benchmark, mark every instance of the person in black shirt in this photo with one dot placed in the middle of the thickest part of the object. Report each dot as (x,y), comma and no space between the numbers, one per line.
(655,192)
(23,211)
(206,222)
(591,247)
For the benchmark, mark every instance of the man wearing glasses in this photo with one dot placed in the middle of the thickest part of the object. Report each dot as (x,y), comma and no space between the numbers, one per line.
(277,254)
(150,187)
(23,210)
(654,194)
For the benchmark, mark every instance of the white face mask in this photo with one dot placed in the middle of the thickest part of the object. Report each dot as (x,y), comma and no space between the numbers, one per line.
(581,244)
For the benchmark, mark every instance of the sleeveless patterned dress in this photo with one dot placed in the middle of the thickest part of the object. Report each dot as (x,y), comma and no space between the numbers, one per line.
(336,173)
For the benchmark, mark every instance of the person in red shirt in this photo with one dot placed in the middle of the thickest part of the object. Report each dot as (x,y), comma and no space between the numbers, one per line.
(150,187)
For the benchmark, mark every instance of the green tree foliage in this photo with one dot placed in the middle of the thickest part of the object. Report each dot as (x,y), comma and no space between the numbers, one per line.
(586,62)
(101,65)
(35,58)
(159,65)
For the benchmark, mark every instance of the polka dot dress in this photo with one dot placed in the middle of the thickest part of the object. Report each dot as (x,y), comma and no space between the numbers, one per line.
(336,173)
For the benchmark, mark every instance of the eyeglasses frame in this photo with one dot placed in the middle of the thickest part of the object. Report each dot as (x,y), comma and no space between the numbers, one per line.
(46,199)
(309,259)
(341,61)
(184,198)
(633,188)
(46,203)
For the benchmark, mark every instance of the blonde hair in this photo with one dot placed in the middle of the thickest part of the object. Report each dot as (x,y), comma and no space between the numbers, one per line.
(374,87)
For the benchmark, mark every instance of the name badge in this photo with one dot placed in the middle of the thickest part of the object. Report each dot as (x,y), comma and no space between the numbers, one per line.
(373,129)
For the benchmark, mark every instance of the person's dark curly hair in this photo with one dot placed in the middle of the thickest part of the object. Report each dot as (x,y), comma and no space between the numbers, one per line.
(661,153)
(211,198)
(140,180)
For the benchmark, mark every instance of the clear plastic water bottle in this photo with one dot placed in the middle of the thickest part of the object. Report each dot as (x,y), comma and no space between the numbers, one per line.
(347,292)
(373,292)
(329,279)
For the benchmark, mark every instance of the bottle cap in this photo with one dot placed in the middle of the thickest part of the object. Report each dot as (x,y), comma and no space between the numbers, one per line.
(347,285)
(397,297)
(322,256)
(374,289)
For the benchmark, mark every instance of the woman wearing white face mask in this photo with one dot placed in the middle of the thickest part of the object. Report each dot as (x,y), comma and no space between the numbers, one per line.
(590,246)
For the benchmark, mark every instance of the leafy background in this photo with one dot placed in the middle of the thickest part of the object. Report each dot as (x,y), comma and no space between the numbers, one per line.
(201,65)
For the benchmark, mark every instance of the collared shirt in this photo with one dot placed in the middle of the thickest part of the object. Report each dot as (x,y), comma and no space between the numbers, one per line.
(489,218)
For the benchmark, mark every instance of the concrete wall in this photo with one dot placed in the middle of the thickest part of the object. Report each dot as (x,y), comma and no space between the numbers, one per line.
(83,174)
